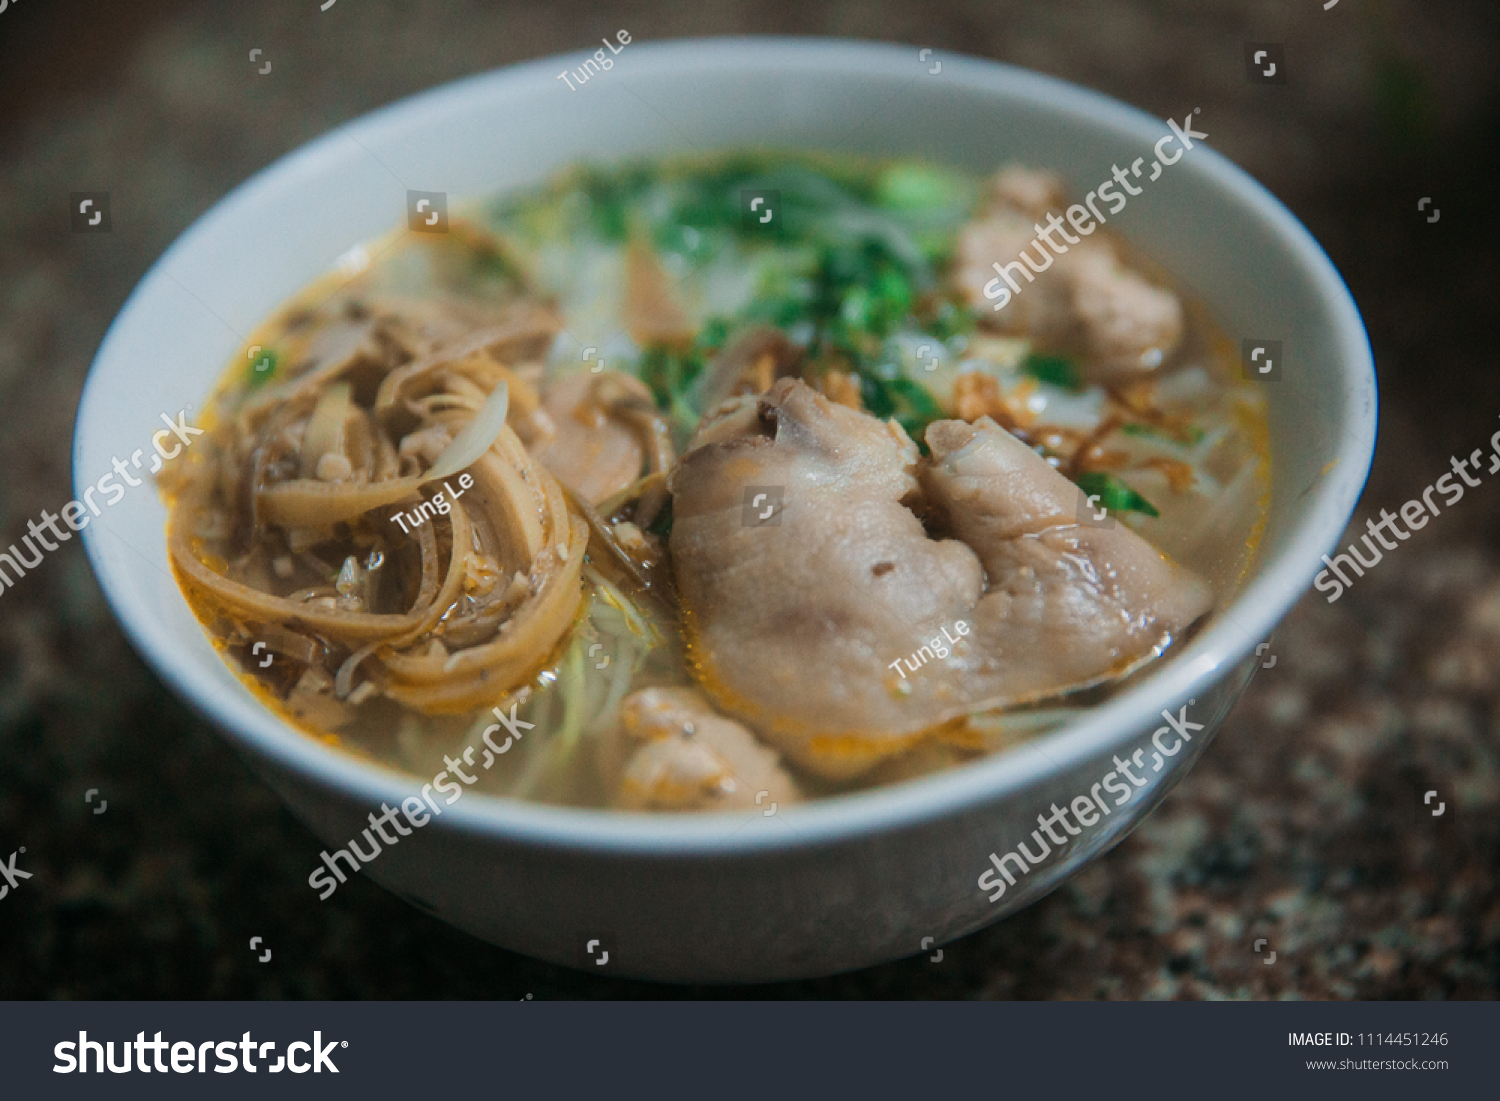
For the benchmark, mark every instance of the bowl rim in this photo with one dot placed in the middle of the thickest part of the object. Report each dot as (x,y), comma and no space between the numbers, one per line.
(1280,580)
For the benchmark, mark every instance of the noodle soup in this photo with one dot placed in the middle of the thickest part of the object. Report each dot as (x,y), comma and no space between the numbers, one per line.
(688,484)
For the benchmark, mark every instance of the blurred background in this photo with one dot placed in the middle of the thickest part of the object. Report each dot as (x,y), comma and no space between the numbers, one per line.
(1304,823)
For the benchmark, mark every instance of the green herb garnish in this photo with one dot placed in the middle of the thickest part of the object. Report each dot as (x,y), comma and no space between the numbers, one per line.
(909,402)
(670,374)
(912,186)
(612,194)
(864,285)
(1114,494)
(261,369)
(948,319)
(1057,370)
(713,336)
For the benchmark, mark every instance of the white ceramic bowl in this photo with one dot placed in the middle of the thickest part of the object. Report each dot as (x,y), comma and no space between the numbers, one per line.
(813,889)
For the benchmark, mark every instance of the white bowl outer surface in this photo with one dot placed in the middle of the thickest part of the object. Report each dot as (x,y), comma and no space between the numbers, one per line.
(813,889)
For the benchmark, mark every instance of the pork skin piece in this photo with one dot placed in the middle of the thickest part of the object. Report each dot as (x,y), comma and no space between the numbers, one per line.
(795,623)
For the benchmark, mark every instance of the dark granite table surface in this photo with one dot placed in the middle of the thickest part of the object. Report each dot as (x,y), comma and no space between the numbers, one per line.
(1301,824)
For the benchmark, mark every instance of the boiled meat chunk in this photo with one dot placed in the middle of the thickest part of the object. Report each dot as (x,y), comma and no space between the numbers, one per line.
(1065,602)
(1079,297)
(679,754)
